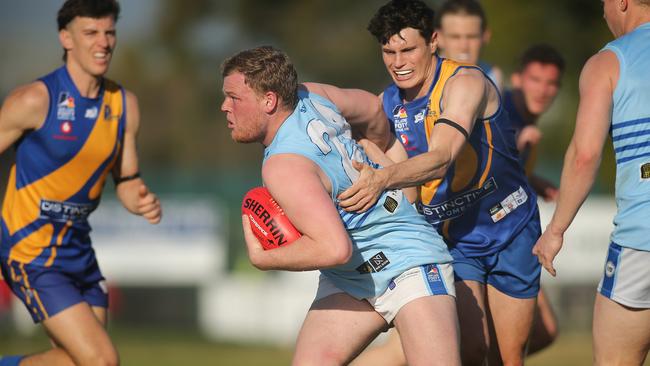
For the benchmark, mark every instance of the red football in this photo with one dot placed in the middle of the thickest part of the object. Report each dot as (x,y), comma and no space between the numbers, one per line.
(268,221)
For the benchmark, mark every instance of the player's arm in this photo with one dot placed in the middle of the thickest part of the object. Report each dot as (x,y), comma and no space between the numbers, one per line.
(464,96)
(130,188)
(597,83)
(24,109)
(395,154)
(296,183)
(361,109)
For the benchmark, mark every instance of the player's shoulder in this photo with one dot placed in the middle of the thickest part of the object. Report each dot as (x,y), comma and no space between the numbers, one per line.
(28,103)
(603,64)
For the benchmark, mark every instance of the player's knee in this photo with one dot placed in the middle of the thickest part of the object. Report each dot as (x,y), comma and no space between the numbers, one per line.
(104,357)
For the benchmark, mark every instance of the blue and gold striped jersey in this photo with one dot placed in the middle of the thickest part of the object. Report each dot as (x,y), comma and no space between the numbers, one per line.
(59,175)
(484,200)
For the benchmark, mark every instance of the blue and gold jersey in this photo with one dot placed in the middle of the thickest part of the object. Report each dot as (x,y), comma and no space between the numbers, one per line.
(484,201)
(59,175)
(388,239)
(528,157)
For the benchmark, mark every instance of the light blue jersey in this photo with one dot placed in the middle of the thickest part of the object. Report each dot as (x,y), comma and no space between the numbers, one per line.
(631,136)
(388,239)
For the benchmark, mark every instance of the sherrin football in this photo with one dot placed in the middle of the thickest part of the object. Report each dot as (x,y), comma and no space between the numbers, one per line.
(268,221)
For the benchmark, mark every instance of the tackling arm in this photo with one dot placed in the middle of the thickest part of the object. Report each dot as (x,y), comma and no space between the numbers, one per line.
(299,186)
(464,97)
(597,82)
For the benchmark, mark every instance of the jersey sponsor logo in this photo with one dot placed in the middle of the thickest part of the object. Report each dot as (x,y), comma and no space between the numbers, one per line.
(66,130)
(645,171)
(66,211)
(392,200)
(508,204)
(457,206)
(404,138)
(91,112)
(65,106)
(419,118)
(400,118)
(376,263)
(107,114)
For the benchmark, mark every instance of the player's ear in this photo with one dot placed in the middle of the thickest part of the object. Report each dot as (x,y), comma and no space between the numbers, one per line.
(515,80)
(433,42)
(622,5)
(65,38)
(487,36)
(269,102)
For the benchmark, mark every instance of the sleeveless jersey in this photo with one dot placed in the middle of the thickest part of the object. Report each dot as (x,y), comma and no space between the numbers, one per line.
(484,200)
(528,157)
(389,238)
(488,70)
(630,132)
(59,174)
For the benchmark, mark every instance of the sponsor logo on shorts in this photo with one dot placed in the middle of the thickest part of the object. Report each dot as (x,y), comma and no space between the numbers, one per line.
(378,262)
(457,206)
(645,171)
(103,286)
(66,211)
(609,268)
(433,275)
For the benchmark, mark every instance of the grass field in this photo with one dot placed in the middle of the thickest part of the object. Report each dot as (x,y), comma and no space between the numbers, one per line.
(171,348)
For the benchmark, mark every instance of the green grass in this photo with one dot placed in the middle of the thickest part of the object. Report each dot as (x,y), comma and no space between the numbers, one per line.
(172,348)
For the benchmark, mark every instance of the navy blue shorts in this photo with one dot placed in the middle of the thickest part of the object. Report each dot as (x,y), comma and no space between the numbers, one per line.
(46,291)
(513,270)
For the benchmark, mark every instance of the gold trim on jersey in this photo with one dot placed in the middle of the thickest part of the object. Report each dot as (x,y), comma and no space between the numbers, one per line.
(466,165)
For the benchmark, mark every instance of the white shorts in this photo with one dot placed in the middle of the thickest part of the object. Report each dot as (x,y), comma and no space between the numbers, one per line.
(626,277)
(425,280)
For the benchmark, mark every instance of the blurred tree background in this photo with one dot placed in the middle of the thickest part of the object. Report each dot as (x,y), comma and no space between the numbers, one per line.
(170,51)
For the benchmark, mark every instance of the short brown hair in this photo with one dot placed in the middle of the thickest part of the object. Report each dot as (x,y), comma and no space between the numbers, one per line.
(266,69)
(462,7)
(87,8)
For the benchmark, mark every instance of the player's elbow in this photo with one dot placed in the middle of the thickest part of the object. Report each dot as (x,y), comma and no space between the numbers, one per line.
(339,253)
(586,159)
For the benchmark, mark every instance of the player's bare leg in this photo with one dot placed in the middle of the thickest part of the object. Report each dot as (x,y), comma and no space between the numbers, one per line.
(428,329)
(337,328)
(81,339)
(472,318)
(512,319)
(621,334)
(545,328)
(387,353)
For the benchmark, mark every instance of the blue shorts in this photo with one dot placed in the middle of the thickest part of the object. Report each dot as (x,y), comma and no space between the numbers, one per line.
(46,291)
(513,270)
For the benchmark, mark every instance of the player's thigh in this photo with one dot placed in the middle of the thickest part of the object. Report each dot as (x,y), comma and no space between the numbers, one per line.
(79,332)
(512,319)
(621,334)
(428,329)
(337,328)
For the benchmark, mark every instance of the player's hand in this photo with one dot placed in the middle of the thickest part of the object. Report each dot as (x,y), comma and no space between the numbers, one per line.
(253,245)
(148,205)
(544,188)
(546,248)
(529,135)
(363,193)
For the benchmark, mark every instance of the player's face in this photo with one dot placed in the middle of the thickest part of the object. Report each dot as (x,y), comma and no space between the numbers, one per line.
(460,37)
(540,84)
(90,43)
(243,109)
(409,60)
